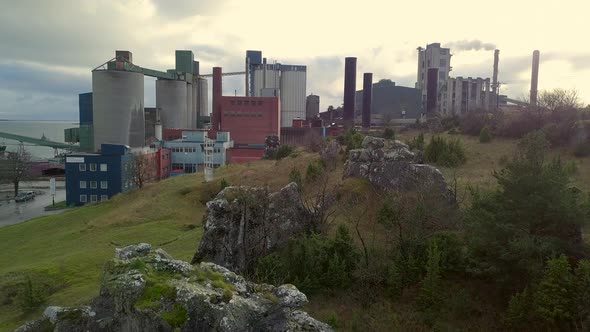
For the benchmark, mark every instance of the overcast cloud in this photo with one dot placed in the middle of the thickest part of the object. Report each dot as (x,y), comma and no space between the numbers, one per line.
(48,48)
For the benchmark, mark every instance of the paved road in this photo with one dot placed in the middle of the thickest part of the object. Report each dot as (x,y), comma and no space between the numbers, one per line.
(14,213)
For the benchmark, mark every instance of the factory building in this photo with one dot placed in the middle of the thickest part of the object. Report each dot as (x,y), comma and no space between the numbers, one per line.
(433,57)
(249,120)
(462,95)
(118,114)
(391,102)
(97,177)
(288,82)
(188,153)
(312,106)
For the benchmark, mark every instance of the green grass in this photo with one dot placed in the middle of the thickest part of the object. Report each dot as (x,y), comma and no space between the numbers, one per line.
(58,206)
(72,247)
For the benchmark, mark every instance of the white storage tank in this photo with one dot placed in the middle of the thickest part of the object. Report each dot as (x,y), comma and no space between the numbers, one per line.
(195,108)
(117,102)
(189,106)
(203,97)
(266,76)
(293,93)
(171,100)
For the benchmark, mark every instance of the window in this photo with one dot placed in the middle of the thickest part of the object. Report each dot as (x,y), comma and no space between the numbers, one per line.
(103,167)
(92,184)
(82,184)
(104,198)
(246,102)
(443,52)
(93,198)
(442,75)
(239,102)
(104,185)
(260,103)
(83,198)
(93,167)
(82,167)
(233,102)
(443,62)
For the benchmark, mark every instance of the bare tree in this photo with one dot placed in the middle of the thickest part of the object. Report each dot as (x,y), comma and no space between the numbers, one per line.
(559,99)
(318,196)
(142,169)
(356,212)
(15,167)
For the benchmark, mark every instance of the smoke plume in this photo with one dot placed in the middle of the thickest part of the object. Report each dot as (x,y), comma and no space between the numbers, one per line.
(470,45)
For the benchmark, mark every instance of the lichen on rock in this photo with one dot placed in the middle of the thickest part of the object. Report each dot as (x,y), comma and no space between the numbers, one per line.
(147,290)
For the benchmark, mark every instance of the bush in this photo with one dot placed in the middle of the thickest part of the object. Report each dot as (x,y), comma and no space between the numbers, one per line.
(582,149)
(314,170)
(295,176)
(532,215)
(388,133)
(485,136)
(450,122)
(352,139)
(223,184)
(473,122)
(449,153)
(417,143)
(32,295)
(316,262)
(284,151)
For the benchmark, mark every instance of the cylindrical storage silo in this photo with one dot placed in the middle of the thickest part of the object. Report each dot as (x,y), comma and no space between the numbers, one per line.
(117,103)
(195,107)
(171,101)
(203,97)
(189,105)
(266,76)
(293,94)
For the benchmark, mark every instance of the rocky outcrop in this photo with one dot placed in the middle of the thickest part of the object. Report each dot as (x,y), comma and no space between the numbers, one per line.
(391,166)
(245,223)
(146,290)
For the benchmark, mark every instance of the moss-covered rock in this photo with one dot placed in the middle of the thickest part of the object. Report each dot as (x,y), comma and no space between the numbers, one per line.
(147,290)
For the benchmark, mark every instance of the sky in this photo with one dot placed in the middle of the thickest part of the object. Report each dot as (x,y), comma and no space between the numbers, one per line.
(48,48)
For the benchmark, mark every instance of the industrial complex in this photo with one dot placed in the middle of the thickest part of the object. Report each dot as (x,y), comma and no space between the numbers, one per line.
(116,132)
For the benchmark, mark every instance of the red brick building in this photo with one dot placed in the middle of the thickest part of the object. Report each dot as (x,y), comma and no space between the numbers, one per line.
(248,120)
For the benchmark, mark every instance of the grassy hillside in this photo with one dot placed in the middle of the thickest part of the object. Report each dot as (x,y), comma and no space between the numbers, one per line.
(70,248)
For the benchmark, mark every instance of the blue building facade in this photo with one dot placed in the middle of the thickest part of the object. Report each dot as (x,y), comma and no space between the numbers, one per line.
(188,153)
(93,177)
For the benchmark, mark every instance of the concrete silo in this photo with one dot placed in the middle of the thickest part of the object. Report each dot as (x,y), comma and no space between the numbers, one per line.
(203,97)
(265,76)
(117,102)
(189,106)
(171,100)
(293,94)
(195,108)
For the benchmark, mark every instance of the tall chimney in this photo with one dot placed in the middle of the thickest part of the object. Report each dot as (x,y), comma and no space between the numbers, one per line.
(431,91)
(495,75)
(217,93)
(535,78)
(367,100)
(349,91)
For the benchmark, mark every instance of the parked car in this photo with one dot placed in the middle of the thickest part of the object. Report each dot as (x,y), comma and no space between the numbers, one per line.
(24,196)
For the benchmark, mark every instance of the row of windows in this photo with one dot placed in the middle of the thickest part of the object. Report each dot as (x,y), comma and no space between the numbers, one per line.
(92,167)
(183,150)
(246,114)
(247,102)
(93,198)
(93,184)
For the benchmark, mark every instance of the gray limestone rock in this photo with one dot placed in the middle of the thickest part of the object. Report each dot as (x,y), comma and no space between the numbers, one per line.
(245,223)
(179,297)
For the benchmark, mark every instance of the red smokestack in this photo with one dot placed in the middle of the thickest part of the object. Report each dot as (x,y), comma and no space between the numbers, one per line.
(349,91)
(367,99)
(217,93)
